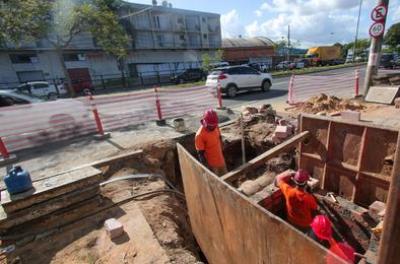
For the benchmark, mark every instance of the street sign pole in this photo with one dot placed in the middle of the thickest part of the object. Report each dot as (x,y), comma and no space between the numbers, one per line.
(379,16)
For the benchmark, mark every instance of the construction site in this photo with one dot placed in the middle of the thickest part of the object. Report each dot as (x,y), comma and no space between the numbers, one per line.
(143,197)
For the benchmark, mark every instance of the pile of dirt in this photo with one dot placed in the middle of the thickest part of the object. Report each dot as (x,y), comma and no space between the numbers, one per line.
(324,104)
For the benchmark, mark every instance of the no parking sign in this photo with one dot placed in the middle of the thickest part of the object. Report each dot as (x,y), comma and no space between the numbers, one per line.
(378,15)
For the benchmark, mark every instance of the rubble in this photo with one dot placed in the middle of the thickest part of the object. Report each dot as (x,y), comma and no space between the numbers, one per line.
(323,104)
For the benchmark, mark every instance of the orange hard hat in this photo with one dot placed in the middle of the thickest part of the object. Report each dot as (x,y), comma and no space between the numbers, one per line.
(322,227)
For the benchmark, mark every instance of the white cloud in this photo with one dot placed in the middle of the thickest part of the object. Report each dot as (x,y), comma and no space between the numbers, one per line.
(258,13)
(230,24)
(311,21)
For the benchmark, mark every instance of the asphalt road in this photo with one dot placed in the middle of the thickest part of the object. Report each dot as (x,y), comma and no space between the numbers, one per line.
(279,90)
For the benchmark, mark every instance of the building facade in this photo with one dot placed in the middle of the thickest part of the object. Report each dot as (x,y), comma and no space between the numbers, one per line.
(164,40)
(248,50)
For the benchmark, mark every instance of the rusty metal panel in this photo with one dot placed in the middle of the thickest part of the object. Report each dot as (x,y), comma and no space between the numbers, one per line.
(355,157)
(230,228)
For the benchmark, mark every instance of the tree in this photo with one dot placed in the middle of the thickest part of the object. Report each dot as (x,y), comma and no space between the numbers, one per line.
(207,60)
(23,20)
(392,37)
(61,20)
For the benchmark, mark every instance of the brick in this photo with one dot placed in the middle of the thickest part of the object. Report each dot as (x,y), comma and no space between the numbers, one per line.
(352,116)
(376,207)
(281,131)
(114,228)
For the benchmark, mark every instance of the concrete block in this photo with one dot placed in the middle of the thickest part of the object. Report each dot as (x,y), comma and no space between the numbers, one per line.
(114,228)
(352,116)
(313,183)
(282,131)
(397,102)
(376,207)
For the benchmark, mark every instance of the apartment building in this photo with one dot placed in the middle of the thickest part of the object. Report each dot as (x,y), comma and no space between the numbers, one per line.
(165,40)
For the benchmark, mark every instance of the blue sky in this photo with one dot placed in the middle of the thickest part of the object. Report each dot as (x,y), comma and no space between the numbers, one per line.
(312,21)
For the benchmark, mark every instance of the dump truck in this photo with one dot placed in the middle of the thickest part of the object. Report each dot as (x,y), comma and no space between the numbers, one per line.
(323,55)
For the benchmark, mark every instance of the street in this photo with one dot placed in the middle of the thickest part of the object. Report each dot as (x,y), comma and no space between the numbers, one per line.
(279,90)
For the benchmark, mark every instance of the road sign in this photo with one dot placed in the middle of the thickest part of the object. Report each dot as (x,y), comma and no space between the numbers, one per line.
(379,13)
(376,30)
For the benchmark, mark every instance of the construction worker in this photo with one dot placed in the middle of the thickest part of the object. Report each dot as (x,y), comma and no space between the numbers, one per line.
(300,205)
(209,144)
(321,230)
(339,252)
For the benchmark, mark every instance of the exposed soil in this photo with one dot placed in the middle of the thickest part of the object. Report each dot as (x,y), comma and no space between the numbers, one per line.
(324,104)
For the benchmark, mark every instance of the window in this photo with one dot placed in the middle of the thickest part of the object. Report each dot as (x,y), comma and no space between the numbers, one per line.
(160,40)
(74,57)
(156,20)
(247,70)
(235,71)
(203,19)
(205,36)
(40,85)
(23,58)
(182,37)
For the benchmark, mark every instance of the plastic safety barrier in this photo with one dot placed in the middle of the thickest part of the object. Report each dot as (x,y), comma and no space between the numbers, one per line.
(302,87)
(31,125)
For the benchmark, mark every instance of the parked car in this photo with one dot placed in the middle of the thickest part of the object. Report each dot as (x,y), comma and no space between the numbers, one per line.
(234,79)
(189,75)
(387,61)
(42,89)
(283,65)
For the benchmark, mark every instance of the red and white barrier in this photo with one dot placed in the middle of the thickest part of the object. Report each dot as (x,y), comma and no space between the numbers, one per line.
(302,87)
(31,125)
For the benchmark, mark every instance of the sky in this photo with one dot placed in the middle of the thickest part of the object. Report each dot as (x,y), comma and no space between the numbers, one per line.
(312,22)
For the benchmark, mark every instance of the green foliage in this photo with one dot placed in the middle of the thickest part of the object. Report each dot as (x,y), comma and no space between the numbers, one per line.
(61,20)
(23,20)
(392,37)
(207,60)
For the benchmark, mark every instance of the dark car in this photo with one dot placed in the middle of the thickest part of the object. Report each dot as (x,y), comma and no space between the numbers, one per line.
(387,61)
(189,75)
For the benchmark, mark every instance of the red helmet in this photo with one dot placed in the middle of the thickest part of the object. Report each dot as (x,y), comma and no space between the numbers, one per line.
(210,118)
(322,227)
(301,177)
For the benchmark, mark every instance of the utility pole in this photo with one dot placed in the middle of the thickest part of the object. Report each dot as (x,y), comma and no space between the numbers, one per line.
(288,44)
(358,25)
(374,52)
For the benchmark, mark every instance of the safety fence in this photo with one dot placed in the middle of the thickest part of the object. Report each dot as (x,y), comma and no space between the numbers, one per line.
(31,125)
(302,87)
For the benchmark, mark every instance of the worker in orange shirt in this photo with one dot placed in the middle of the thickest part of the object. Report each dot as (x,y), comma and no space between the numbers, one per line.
(301,206)
(339,252)
(209,144)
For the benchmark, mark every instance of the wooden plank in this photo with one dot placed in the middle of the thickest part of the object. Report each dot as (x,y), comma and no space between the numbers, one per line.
(45,208)
(389,252)
(259,160)
(230,228)
(52,187)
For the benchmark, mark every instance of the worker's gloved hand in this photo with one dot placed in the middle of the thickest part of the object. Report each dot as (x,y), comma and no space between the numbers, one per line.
(202,157)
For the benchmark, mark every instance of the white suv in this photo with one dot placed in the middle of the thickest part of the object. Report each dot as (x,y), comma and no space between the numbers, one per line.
(233,79)
(42,89)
